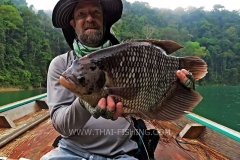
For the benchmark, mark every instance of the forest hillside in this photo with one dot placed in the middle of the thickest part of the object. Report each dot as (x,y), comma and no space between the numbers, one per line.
(28,41)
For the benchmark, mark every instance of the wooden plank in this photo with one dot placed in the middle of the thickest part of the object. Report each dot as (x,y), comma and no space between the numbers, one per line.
(42,104)
(32,144)
(192,130)
(167,148)
(21,111)
(219,142)
(6,122)
(38,141)
(171,151)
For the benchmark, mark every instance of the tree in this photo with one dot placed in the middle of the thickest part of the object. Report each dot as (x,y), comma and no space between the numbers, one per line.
(193,49)
(11,20)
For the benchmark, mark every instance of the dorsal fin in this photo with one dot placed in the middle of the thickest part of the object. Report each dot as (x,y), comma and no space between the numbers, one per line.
(167,45)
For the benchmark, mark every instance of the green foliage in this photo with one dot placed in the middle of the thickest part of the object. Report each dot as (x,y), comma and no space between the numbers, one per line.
(27,45)
(231,76)
(12,19)
(28,41)
(193,49)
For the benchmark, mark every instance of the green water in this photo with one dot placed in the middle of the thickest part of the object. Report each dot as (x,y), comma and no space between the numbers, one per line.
(220,103)
(13,96)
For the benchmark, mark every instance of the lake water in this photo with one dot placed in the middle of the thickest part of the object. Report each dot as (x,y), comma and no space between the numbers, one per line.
(13,96)
(220,103)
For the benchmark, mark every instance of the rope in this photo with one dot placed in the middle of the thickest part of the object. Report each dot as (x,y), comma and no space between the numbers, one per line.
(184,142)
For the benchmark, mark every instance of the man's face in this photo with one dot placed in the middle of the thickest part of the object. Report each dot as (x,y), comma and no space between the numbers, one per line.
(88,23)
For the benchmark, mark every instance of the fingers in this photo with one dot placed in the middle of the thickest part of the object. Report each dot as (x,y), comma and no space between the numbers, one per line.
(181,74)
(110,106)
(102,103)
(119,111)
(108,103)
(186,78)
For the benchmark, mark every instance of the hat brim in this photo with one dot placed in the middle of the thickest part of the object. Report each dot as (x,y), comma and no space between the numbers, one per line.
(62,13)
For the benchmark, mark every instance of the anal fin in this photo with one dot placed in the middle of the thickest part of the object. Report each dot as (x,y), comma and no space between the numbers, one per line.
(178,100)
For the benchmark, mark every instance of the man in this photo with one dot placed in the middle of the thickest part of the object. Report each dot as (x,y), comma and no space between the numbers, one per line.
(86,27)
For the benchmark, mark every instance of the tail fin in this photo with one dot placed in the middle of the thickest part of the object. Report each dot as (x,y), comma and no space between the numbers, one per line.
(195,65)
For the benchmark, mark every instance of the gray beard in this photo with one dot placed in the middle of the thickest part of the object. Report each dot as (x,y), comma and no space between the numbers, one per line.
(91,39)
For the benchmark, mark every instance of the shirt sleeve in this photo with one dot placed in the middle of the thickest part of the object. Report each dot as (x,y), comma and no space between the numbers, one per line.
(66,112)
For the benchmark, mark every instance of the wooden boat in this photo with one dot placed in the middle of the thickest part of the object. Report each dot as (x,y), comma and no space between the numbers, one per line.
(26,132)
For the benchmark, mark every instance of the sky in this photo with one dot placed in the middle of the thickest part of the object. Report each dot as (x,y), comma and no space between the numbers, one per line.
(171,4)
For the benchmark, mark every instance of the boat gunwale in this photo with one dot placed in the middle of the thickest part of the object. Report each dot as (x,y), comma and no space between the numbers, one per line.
(228,132)
(10,106)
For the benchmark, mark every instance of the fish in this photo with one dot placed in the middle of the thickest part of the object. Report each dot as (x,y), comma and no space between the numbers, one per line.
(139,73)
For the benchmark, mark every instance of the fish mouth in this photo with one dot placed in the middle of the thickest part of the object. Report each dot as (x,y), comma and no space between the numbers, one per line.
(67,82)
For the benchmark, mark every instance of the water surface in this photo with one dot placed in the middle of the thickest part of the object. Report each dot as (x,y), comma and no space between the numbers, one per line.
(220,104)
(13,96)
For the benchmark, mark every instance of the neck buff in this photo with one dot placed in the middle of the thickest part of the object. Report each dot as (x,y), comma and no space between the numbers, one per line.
(82,50)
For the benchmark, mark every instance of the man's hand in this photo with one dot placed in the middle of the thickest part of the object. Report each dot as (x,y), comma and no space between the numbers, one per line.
(186,78)
(111,107)
(181,74)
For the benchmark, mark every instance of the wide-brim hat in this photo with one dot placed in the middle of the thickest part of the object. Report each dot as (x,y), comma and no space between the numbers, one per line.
(63,13)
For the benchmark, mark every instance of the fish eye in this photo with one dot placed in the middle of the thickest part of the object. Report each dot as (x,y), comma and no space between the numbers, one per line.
(93,68)
(81,79)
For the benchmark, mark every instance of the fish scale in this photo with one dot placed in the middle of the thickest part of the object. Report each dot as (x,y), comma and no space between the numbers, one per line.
(148,77)
(139,73)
